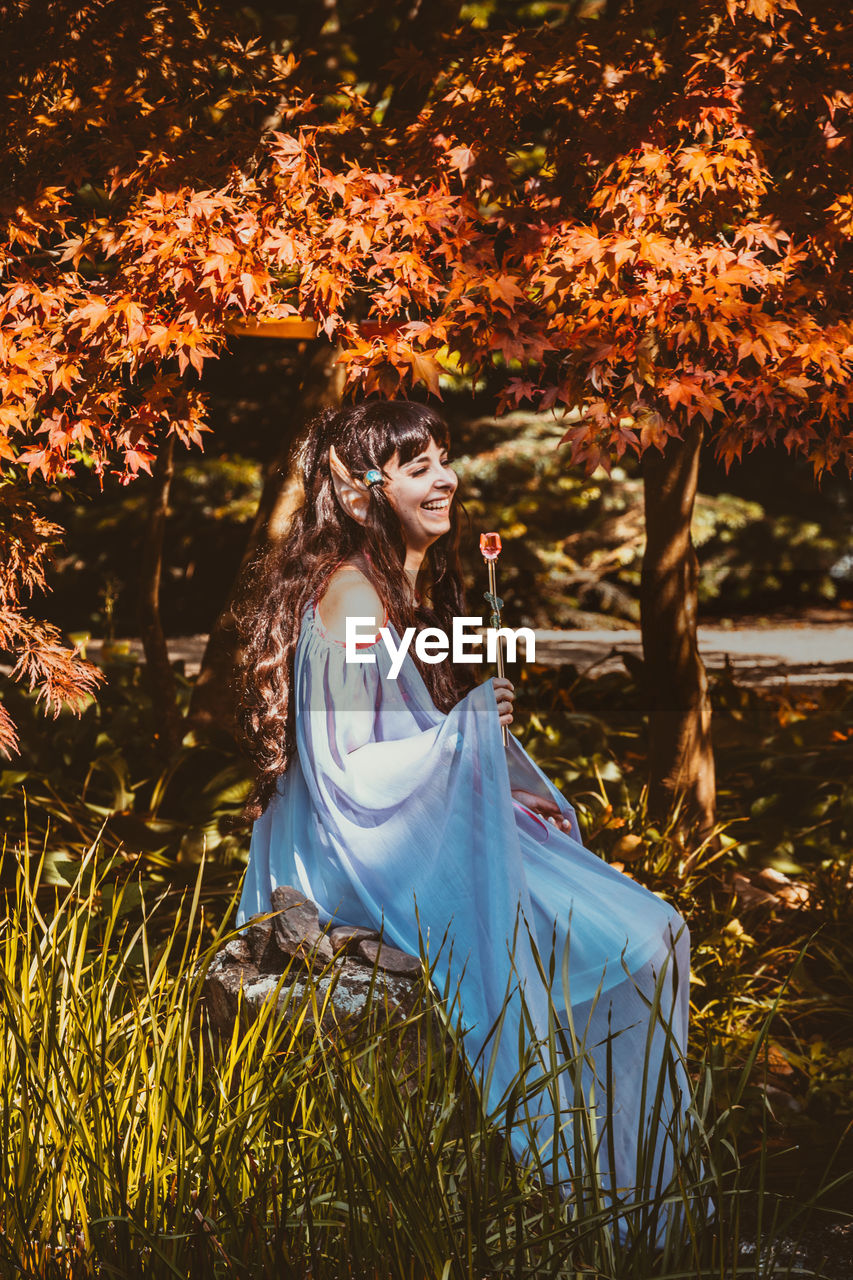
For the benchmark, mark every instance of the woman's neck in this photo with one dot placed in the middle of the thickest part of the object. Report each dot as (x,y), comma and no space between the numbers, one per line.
(414,560)
(412,567)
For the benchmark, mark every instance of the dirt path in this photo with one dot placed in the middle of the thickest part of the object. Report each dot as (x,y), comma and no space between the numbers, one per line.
(764,656)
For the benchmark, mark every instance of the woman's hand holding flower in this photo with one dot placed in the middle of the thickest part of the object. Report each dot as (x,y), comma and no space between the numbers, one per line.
(504,694)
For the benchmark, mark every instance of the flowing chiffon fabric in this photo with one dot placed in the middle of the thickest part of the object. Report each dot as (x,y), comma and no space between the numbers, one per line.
(393,805)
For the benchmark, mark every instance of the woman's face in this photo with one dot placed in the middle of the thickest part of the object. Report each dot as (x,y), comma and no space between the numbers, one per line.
(421,491)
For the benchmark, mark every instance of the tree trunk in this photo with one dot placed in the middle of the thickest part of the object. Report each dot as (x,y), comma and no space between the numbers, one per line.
(212,703)
(161,678)
(681,760)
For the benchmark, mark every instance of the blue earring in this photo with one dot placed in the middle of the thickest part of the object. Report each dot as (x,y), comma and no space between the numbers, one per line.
(372,477)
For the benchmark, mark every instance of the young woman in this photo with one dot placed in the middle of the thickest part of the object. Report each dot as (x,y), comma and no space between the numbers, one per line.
(393,803)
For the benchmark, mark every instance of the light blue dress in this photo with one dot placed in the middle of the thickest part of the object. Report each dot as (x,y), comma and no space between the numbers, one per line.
(393,803)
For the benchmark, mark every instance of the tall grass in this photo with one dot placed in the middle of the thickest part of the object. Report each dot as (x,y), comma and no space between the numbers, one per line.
(135,1142)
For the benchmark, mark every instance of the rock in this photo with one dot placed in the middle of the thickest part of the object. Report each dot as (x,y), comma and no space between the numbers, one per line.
(358,973)
(260,938)
(297,927)
(350,998)
(238,951)
(395,992)
(347,937)
(389,958)
(222,985)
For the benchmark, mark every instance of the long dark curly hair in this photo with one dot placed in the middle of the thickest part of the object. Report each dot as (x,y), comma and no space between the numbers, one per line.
(277,585)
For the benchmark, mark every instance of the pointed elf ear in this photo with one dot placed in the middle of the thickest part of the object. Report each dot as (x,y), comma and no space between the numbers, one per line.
(353,494)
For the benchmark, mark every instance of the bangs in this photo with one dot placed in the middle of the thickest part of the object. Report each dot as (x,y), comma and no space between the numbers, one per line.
(399,426)
(413,438)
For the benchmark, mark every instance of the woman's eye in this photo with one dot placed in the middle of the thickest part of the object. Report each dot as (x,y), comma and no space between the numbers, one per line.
(445,462)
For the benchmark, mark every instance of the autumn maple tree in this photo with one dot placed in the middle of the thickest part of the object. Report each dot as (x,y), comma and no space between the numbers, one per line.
(640,217)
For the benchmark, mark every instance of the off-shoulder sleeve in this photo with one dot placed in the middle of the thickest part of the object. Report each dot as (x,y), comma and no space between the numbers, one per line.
(413,801)
(401,739)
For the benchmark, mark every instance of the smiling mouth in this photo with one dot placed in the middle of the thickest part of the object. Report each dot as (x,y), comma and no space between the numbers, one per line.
(438,504)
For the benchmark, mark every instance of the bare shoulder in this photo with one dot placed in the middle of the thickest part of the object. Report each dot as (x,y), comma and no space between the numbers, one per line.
(348,594)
